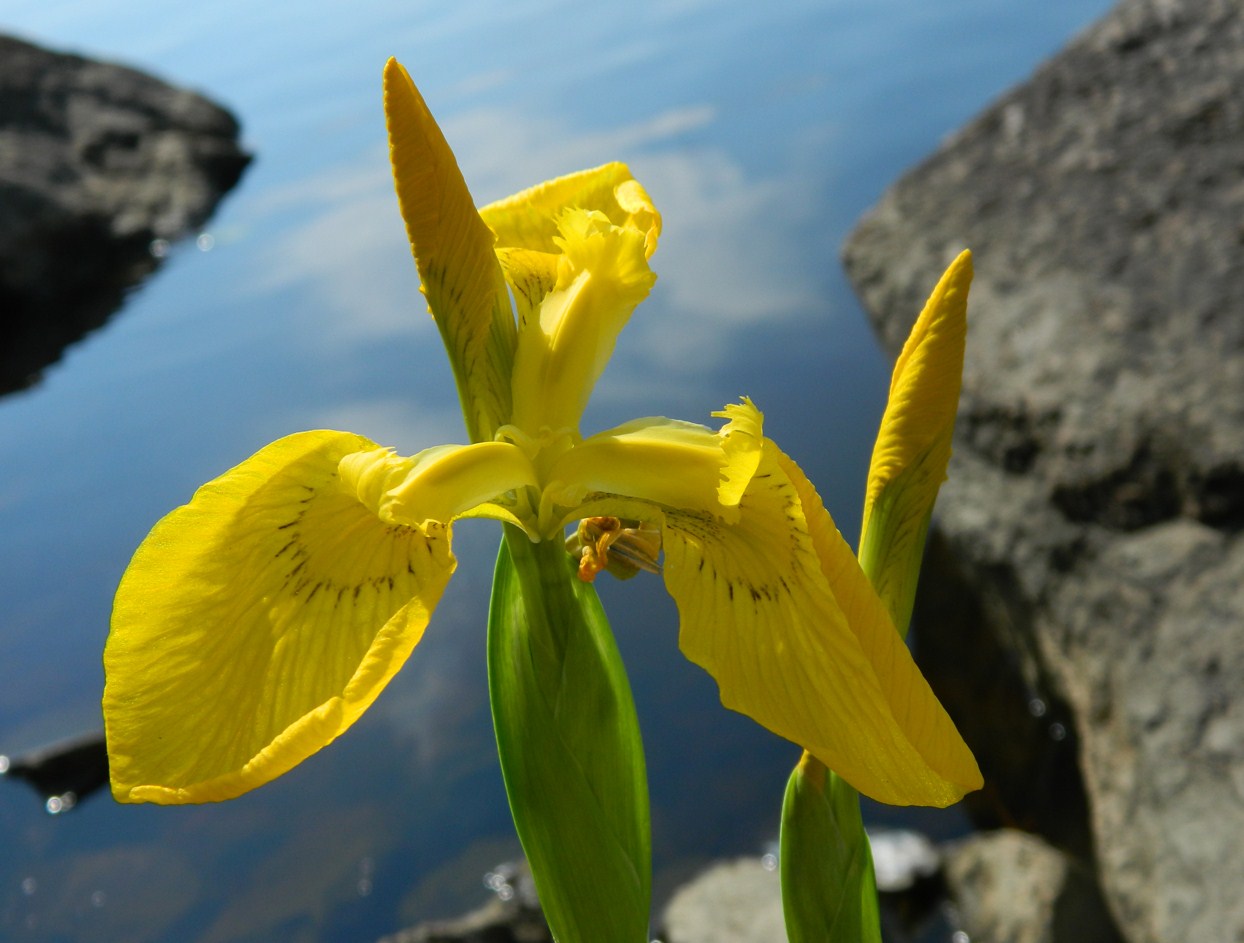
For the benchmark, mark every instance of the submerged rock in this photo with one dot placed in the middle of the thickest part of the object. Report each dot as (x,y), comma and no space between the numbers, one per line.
(1088,570)
(97,162)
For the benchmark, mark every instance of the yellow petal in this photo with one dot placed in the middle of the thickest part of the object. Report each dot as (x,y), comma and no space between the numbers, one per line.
(453,250)
(759,612)
(437,485)
(255,624)
(527,226)
(659,461)
(656,460)
(602,275)
(531,275)
(743,440)
(913,446)
(916,708)
(529,219)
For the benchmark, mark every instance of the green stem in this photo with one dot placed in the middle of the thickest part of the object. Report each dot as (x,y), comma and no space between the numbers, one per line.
(569,744)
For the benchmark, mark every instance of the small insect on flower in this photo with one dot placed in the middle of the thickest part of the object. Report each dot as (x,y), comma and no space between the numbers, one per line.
(623,547)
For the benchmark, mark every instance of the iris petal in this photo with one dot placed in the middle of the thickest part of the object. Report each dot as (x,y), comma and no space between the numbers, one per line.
(256,624)
(915,707)
(602,275)
(528,219)
(453,250)
(636,469)
(437,485)
(531,275)
(657,460)
(759,612)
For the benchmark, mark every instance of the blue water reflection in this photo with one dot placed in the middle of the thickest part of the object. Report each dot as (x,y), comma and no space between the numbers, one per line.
(762,131)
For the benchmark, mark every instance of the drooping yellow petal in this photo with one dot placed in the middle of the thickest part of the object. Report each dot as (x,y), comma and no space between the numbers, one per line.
(255,624)
(913,446)
(758,612)
(453,250)
(529,219)
(915,707)
(602,275)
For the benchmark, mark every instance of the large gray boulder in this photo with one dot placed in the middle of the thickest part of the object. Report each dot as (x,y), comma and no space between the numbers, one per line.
(97,162)
(1086,583)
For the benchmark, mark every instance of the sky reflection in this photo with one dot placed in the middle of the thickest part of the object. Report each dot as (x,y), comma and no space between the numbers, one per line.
(729,257)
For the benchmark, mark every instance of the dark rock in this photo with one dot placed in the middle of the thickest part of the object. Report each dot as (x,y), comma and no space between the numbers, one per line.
(62,773)
(1011,887)
(96,162)
(1091,525)
(1003,702)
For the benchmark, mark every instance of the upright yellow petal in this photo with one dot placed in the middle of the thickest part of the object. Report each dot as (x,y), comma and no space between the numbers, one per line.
(602,275)
(759,612)
(453,250)
(255,624)
(531,275)
(529,219)
(528,232)
(913,445)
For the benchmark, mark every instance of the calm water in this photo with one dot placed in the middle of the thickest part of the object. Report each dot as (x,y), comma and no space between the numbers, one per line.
(761,130)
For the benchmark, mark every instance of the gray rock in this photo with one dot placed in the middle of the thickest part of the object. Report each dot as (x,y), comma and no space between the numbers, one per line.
(96,162)
(1012,887)
(1089,569)
(737,901)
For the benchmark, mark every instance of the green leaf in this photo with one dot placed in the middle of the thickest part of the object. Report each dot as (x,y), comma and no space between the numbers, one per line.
(829,893)
(569,744)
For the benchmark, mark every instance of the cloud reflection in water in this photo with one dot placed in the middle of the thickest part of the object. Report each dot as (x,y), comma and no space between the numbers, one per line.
(728,259)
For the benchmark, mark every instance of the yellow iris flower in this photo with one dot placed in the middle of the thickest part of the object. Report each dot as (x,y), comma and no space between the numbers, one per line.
(256,623)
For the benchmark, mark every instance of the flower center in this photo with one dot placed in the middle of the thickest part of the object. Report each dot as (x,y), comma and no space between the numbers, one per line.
(623,547)
(542,450)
